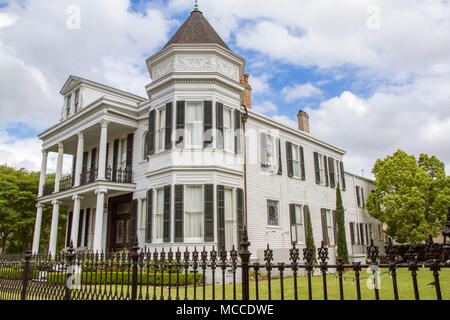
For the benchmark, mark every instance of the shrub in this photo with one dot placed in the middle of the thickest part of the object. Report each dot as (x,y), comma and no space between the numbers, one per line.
(125,278)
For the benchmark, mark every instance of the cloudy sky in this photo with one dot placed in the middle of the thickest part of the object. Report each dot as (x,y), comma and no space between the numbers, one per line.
(373,75)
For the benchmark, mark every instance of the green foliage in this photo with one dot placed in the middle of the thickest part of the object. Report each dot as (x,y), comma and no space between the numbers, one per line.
(309,234)
(125,278)
(411,196)
(18,192)
(342,251)
(15,273)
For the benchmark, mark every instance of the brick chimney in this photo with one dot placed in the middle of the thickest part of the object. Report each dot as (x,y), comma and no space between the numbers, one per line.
(247,101)
(303,121)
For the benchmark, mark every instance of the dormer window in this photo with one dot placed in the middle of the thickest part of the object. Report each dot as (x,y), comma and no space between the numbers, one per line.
(68,105)
(77,101)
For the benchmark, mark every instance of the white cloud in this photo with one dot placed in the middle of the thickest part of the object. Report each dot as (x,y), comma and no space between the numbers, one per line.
(265,107)
(286,120)
(260,84)
(413,117)
(300,91)
(38,53)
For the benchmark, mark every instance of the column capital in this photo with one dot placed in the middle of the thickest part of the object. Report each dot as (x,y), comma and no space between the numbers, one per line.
(104,123)
(60,145)
(40,205)
(77,197)
(80,135)
(101,190)
(44,152)
(54,202)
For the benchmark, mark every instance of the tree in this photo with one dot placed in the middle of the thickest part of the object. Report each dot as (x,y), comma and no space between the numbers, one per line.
(309,234)
(410,196)
(342,250)
(18,192)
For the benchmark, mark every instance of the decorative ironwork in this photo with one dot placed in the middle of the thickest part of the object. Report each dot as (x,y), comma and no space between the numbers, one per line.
(322,253)
(372,252)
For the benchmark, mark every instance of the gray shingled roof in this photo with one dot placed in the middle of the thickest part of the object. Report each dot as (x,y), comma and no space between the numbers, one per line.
(196,30)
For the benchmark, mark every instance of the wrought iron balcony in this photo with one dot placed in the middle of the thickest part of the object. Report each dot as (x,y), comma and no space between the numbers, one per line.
(120,175)
(48,189)
(89,176)
(66,183)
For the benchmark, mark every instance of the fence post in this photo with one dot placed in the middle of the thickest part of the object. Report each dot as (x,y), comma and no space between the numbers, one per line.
(245,260)
(70,270)
(134,256)
(26,273)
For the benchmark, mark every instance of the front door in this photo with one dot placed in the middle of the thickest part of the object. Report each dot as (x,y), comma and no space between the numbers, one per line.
(120,227)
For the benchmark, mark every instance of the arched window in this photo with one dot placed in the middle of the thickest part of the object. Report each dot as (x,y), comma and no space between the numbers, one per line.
(145,146)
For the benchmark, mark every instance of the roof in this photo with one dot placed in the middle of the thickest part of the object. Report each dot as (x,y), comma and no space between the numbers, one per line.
(196,30)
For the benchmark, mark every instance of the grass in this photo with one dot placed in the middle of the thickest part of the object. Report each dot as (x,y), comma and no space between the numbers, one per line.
(404,280)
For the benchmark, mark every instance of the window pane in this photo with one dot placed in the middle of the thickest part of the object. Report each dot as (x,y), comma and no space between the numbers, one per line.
(194,200)
(298,214)
(272,213)
(227,118)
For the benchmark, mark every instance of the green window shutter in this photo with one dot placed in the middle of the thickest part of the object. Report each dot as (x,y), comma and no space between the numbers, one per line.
(220,218)
(93,159)
(179,213)
(80,228)
(358,199)
(294,235)
(332,172)
(323,213)
(237,132)
(86,227)
(85,162)
(219,125)
(352,233)
(209,213)
(133,221)
(343,176)
(166,218)
(168,129)
(325,163)
(207,124)
(280,161)
(181,123)
(115,159)
(130,142)
(74,164)
(106,160)
(316,167)
(69,229)
(302,164)
(334,227)
(361,232)
(290,167)
(148,229)
(240,214)
(362,198)
(152,132)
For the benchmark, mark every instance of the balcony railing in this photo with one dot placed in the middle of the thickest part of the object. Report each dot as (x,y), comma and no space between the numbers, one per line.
(66,183)
(48,189)
(121,175)
(89,176)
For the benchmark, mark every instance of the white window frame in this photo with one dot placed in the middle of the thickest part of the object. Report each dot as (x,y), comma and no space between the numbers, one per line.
(272,161)
(158,217)
(322,168)
(330,227)
(68,105)
(228,134)
(123,156)
(296,163)
(186,212)
(161,129)
(299,227)
(193,126)
(230,222)
(144,157)
(278,225)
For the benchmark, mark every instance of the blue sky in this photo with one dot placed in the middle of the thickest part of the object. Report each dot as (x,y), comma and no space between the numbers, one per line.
(374,75)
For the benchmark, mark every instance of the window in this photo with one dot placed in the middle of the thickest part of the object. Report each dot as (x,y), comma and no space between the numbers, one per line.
(194,124)
(123,154)
(327,226)
(228,130)
(380,232)
(159,215)
(68,105)
(142,216)
(229,220)
(77,101)
(272,213)
(322,160)
(268,152)
(119,232)
(299,226)
(370,232)
(360,197)
(352,233)
(194,213)
(161,128)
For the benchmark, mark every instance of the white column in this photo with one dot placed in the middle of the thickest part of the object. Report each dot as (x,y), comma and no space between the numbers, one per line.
(99,219)
(59,165)
(43,173)
(37,228)
(75,219)
(102,149)
(54,228)
(79,159)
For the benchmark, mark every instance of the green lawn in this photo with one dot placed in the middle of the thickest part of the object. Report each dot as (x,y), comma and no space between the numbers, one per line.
(405,288)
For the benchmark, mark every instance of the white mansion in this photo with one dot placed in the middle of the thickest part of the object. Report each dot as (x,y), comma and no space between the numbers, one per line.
(170,167)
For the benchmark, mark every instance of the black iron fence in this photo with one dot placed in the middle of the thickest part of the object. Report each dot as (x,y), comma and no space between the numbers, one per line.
(211,275)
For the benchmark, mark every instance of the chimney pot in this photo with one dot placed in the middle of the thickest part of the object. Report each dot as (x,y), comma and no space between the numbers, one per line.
(303,121)
(247,100)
